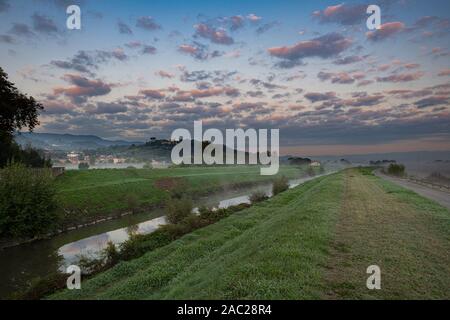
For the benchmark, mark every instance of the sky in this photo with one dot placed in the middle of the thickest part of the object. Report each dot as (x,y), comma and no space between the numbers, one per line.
(313,69)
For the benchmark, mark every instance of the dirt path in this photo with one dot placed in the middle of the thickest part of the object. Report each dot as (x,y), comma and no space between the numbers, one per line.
(378,227)
(441,197)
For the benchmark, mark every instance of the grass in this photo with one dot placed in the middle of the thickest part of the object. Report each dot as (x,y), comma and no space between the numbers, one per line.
(90,194)
(311,242)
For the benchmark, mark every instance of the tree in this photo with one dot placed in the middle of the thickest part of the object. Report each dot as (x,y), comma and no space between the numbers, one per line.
(27,202)
(396,169)
(83,166)
(17,111)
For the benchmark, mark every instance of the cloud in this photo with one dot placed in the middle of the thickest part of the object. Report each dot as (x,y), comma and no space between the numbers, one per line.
(340,77)
(326,46)
(316,96)
(432,101)
(43,24)
(56,107)
(190,95)
(4,38)
(253,17)
(218,36)
(348,60)
(88,61)
(266,27)
(255,94)
(153,94)
(124,28)
(249,106)
(199,51)
(164,74)
(347,15)
(133,44)
(108,108)
(22,30)
(444,73)
(148,50)
(364,100)
(436,26)
(4,5)
(410,94)
(364,83)
(386,30)
(402,77)
(236,22)
(82,88)
(439,52)
(147,23)
(118,53)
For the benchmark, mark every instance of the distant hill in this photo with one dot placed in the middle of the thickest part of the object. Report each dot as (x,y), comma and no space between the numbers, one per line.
(67,142)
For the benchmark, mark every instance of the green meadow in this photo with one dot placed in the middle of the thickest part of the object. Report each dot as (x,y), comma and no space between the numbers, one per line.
(91,194)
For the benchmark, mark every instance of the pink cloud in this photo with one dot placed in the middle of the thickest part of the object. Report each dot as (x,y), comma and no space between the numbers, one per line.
(402,77)
(386,30)
(325,46)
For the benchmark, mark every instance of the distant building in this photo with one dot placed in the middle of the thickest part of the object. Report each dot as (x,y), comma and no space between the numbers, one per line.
(315,164)
(73,157)
(118,160)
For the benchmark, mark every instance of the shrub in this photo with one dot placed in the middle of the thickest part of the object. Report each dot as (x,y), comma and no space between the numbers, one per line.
(110,254)
(175,231)
(27,202)
(258,196)
(83,166)
(396,169)
(279,185)
(204,210)
(178,209)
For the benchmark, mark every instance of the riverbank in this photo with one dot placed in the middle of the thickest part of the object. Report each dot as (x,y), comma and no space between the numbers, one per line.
(314,241)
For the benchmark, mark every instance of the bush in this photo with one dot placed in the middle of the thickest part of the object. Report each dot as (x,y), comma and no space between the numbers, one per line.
(27,202)
(83,166)
(258,196)
(279,185)
(178,209)
(396,169)
(110,254)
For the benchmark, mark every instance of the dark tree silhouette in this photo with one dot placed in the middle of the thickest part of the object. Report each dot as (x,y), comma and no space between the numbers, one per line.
(17,111)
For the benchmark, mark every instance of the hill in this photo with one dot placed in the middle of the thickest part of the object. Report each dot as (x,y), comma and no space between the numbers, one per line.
(66,142)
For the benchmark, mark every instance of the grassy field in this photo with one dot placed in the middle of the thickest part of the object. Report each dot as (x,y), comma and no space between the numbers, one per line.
(311,242)
(93,193)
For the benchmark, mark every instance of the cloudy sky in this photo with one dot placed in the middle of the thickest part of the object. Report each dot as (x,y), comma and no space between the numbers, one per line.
(138,69)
